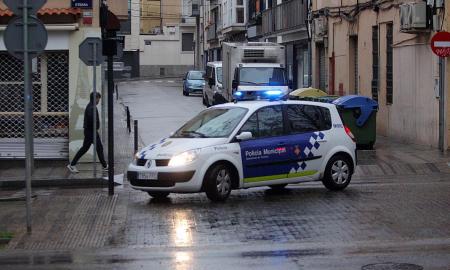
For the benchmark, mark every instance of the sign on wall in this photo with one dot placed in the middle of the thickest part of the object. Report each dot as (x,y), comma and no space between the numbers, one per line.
(440,44)
(82,4)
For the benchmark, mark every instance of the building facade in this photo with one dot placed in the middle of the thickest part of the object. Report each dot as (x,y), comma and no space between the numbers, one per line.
(373,48)
(163,36)
(61,82)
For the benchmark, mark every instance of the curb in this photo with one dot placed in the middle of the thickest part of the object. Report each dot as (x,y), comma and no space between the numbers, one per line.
(89,182)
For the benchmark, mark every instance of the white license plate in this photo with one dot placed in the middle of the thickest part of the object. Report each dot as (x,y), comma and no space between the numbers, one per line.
(148,175)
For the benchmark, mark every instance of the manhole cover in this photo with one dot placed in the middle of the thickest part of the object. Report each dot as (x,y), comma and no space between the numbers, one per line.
(392,266)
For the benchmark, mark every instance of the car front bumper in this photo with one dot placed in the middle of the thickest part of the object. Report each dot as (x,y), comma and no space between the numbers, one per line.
(180,180)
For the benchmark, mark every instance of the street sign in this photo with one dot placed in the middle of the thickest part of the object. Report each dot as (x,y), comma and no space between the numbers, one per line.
(16,6)
(440,44)
(37,37)
(87,54)
(82,4)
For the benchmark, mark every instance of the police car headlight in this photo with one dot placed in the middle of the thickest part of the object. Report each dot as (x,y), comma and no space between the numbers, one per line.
(183,158)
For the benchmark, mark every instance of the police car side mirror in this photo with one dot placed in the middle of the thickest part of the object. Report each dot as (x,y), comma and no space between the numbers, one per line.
(246,135)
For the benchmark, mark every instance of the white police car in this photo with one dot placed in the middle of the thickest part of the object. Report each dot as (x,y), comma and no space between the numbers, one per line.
(249,144)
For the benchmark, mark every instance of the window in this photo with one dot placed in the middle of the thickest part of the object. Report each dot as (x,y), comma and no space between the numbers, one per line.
(240,2)
(219,75)
(195,75)
(266,122)
(187,42)
(251,125)
(375,63)
(239,15)
(389,64)
(307,118)
(262,76)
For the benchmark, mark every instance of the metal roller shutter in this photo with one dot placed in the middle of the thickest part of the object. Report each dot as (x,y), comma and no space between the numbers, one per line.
(50,106)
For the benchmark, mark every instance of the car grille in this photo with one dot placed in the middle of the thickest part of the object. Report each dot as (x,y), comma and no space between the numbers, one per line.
(162,162)
(141,162)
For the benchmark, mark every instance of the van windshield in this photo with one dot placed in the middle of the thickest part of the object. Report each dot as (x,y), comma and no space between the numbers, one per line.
(262,76)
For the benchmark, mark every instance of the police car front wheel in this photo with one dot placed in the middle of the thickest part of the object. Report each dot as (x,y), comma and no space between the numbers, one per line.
(338,173)
(218,183)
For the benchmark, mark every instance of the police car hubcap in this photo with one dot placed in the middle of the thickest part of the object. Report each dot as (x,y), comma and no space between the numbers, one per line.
(339,172)
(223,182)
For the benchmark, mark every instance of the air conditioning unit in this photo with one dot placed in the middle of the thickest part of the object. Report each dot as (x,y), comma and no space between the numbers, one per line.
(320,28)
(413,17)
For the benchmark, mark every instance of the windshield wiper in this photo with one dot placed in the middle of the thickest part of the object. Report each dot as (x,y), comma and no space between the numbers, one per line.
(199,134)
(254,83)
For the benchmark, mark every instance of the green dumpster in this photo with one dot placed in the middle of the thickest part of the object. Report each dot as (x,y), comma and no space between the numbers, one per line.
(359,114)
(306,93)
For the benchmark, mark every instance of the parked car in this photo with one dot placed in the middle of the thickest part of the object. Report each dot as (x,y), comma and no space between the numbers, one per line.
(212,92)
(249,144)
(193,82)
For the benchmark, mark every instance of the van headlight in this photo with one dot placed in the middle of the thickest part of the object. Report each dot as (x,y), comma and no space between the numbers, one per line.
(183,158)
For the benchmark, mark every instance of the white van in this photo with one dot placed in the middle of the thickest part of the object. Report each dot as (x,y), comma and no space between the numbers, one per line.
(212,91)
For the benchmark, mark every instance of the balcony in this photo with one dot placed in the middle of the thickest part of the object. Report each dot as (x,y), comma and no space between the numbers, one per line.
(211,33)
(287,16)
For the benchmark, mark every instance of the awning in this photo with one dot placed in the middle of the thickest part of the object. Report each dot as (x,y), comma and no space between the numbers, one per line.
(46,11)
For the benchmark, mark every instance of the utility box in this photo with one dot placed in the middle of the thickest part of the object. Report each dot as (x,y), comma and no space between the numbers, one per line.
(413,17)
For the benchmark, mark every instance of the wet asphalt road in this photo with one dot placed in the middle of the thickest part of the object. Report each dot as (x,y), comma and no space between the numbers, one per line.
(401,219)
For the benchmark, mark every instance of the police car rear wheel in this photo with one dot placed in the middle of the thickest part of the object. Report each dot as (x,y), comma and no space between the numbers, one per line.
(158,194)
(338,173)
(218,183)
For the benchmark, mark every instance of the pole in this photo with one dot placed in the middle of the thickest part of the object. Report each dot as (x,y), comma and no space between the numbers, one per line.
(28,115)
(136,136)
(110,126)
(442,104)
(94,105)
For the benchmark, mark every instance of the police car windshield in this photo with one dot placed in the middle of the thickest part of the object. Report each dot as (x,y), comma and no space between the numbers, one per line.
(262,76)
(212,123)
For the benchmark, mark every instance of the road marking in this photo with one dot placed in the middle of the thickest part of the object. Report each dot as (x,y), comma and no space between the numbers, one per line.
(170,81)
(159,81)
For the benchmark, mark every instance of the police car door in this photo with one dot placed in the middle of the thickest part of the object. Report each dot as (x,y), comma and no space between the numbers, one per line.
(309,127)
(265,159)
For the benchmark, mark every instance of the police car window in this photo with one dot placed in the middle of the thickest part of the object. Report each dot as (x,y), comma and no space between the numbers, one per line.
(251,125)
(308,118)
(212,123)
(270,121)
(266,122)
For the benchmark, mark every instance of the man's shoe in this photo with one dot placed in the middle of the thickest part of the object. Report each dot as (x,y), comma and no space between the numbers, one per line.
(72,169)
(106,168)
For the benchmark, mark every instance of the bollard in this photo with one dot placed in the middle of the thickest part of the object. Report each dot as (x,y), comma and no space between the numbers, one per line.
(128,119)
(117,92)
(136,137)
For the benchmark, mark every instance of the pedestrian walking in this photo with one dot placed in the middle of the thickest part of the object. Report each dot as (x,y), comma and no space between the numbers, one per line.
(88,127)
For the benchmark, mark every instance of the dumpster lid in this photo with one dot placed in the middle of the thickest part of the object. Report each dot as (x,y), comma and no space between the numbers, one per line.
(365,104)
(355,101)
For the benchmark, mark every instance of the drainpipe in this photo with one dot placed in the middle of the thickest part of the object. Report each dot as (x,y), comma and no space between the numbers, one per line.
(309,12)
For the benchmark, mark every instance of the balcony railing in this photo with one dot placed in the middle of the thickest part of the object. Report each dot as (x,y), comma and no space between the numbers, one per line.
(286,16)
(211,33)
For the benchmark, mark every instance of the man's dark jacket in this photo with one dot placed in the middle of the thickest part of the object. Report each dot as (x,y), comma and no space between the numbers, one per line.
(89,117)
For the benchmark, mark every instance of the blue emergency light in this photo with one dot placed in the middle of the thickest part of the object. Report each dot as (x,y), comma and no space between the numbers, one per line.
(258,95)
